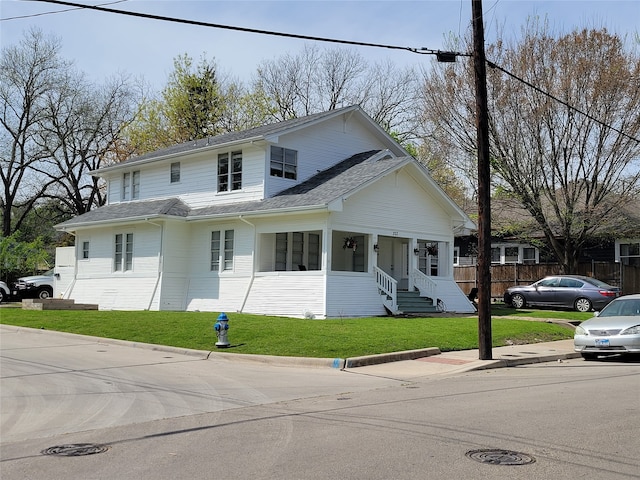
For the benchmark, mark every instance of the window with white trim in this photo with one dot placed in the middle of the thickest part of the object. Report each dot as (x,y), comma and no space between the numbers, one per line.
(85,250)
(284,163)
(528,255)
(229,171)
(131,185)
(123,252)
(456,256)
(222,245)
(297,251)
(630,253)
(513,253)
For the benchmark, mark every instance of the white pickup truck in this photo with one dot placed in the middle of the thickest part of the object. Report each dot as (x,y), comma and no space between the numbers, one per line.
(35,286)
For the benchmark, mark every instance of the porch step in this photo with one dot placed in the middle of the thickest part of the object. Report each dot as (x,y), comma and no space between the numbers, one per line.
(55,304)
(412,302)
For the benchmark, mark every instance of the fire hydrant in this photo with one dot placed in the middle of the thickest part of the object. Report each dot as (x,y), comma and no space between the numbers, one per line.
(221,327)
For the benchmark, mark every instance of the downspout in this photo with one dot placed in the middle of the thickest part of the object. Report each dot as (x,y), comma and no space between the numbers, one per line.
(253,263)
(160,256)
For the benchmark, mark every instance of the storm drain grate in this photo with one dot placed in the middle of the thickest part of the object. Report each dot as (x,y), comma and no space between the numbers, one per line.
(500,457)
(75,449)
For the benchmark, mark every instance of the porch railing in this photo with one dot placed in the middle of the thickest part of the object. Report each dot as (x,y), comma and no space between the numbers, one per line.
(388,287)
(424,283)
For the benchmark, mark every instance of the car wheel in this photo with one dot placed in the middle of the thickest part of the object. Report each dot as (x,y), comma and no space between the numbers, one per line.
(518,301)
(583,305)
(45,293)
(590,356)
(1,296)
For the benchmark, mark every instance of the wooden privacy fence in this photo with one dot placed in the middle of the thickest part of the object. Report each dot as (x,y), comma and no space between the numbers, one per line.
(504,276)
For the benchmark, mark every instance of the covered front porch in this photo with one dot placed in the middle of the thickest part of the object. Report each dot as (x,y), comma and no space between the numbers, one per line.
(367,273)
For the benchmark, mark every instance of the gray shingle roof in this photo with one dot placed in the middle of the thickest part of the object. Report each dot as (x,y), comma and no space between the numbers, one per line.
(232,137)
(318,191)
(129,210)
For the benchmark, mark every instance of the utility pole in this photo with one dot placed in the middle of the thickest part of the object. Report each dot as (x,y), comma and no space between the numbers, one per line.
(484,191)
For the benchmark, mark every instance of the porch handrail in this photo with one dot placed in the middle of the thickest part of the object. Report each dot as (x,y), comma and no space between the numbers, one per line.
(388,286)
(424,283)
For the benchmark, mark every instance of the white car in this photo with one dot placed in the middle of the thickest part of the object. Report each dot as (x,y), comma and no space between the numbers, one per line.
(614,330)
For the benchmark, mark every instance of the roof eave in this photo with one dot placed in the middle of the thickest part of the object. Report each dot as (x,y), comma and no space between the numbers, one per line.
(170,156)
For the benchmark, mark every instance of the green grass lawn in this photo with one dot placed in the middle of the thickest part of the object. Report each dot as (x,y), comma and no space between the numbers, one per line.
(254,334)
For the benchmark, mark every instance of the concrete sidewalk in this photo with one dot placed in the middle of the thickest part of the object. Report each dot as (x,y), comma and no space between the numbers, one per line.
(447,363)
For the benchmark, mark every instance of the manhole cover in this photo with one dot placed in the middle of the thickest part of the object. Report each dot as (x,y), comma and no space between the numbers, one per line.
(75,449)
(500,457)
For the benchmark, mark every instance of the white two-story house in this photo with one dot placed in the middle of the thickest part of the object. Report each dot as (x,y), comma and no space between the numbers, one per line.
(321,216)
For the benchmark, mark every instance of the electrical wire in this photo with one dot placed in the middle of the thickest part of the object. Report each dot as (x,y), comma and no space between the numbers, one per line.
(537,89)
(424,51)
(57,11)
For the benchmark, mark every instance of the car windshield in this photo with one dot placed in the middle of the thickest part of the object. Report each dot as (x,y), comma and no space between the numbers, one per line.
(622,308)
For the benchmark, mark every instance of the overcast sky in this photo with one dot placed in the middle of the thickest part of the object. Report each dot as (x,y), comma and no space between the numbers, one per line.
(102,44)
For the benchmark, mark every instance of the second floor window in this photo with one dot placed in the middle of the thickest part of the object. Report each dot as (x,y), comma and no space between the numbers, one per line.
(131,185)
(229,171)
(175,172)
(284,163)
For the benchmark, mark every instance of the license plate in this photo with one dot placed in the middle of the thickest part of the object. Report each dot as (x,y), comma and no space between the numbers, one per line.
(602,342)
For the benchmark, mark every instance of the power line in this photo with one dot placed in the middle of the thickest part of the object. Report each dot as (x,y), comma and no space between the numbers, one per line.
(444,56)
(424,51)
(538,89)
(52,13)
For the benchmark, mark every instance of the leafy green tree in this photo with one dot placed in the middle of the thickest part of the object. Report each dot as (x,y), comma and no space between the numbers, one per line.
(22,258)
(195,103)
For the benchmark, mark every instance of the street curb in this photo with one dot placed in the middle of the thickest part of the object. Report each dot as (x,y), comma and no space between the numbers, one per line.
(514,362)
(337,363)
(280,360)
(365,360)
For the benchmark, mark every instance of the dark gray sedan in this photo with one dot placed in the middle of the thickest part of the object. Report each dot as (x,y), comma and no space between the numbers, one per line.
(565,291)
(614,330)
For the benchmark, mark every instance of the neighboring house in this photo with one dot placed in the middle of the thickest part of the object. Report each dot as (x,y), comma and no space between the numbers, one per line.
(522,245)
(321,216)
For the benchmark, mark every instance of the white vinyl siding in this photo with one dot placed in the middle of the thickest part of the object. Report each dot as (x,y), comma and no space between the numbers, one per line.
(322,146)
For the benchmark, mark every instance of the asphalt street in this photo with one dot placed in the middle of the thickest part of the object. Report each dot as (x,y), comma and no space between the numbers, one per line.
(160,414)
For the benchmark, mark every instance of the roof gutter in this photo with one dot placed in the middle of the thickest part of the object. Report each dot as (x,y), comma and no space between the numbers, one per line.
(259,213)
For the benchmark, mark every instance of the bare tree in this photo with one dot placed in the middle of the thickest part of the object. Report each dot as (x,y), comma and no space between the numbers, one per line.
(28,72)
(84,124)
(57,128)
(572,160)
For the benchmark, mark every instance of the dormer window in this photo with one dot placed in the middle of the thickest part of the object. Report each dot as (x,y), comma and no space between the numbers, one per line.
(229,171)
(284,163)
